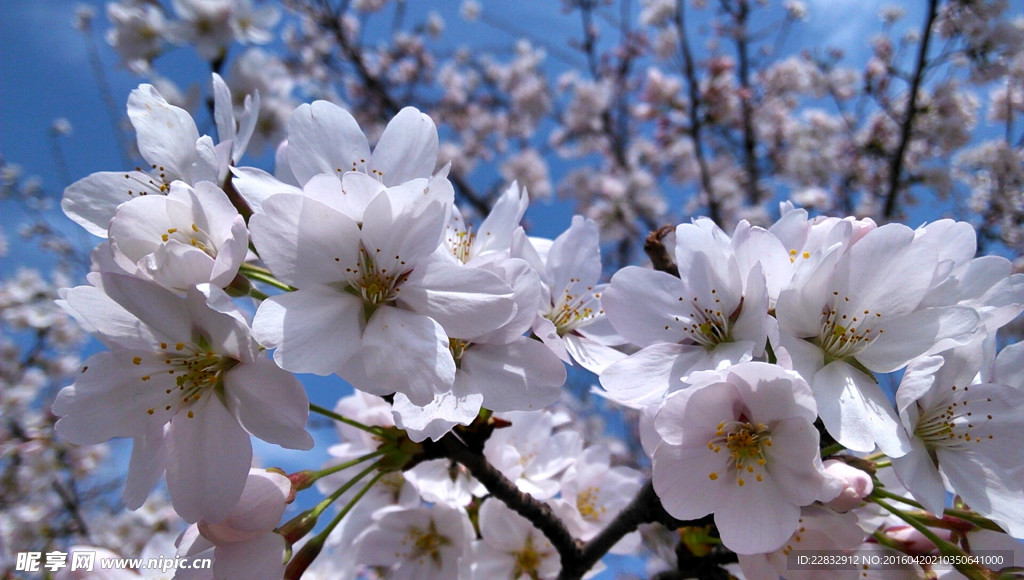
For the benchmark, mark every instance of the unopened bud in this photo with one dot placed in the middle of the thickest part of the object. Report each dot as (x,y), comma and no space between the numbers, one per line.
(296,528)
(913,541)
(303,558)
(856,485)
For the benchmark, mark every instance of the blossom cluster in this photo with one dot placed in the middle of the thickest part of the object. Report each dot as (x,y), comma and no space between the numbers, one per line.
(748,357)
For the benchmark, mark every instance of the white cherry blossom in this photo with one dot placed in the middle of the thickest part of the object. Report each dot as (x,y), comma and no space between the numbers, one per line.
(864,311)
(740,442)
(189,236)
(185,379)
(966,437)
(369,290)
(715,313)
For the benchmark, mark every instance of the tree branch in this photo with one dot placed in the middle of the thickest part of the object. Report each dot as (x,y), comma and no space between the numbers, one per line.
(906,128)
(696,124)
(537,512)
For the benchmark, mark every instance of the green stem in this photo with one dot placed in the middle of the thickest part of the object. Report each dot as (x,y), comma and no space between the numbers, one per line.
(882,492)
(946,548)
(832,449)
(256,293)
(348,507)
(326,502)
(263,275)
(372,429)
(343,466)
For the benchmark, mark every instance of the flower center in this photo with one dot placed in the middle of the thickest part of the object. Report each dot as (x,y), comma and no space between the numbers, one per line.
(586,503)
(458,347)
(193,236)
(710,326)
(427,543)
(196,371)
(954,426)
(527,561)
(746,444)
(572,311)
(461,244)
(843,334)
(372,281)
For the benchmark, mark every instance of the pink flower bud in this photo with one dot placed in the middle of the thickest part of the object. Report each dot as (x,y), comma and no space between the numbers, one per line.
(913,541)
(856,485)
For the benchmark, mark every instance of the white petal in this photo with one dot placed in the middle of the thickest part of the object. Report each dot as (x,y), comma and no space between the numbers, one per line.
(644,306)
(466,301)
(166,134)
(269,403)
(256,185)
(681,478)
(91,201)
(208,460)
(523,375)
(645,377)
(149,455)
(408,352)
(315,329)
(223,110)
(406,150)
(914,334)
(776,518)
(920,476)
(856,412)
(304,241)
(261,558)
(324,138)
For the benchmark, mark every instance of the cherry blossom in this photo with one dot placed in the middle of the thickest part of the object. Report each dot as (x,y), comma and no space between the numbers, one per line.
(713,314)
(416,543)
(966,437)
(244,544)
(737,441)
(369,287)
(178,241)
(864,309)
(184,379)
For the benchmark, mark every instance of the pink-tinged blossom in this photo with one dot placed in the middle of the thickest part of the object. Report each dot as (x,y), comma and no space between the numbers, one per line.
(509,547)
(856,484)
(713,314)
(373,305)
(571,321)
(593,494)
(170,143)
(740,442)
(189,236)
(244,544)
(967,437)
(185,379)
(413,543)
(864,311)
(531,454)
(502,370)
(818,528)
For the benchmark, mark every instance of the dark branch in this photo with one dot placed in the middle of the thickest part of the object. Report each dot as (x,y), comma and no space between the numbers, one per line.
(538,513)
(696,124)
(655,249)
(906,128)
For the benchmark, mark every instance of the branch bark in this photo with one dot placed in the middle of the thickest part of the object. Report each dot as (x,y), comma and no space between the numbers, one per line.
(696,123)
(907,127)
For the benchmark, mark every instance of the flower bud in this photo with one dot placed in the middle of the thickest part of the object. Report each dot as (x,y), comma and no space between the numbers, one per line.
(856,485)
